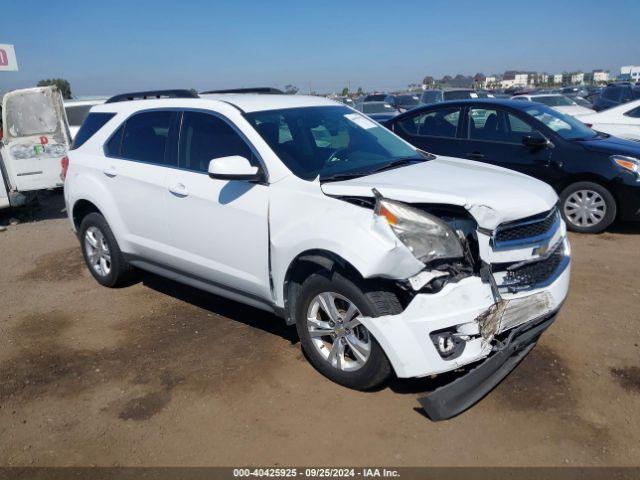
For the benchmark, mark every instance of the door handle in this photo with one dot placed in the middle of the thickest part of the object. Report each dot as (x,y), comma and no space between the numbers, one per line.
(179,190)
(110,171)
(475,155)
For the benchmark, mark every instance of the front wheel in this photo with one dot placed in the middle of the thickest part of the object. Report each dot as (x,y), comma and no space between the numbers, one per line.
(587,207)
(328,309)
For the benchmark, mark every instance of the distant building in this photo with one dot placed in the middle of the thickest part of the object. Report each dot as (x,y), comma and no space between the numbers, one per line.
(490,81)
(557,79)
(543,77)
(600,76)
(630,73)
(513,78)
(576,78)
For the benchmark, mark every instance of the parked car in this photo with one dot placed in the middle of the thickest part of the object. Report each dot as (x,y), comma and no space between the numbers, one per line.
(439,95)
(559,102)
(378,111)
(385,258)
(77,111)
(622,121)
(616,94)
(596,175)
(403,101)
(35,141)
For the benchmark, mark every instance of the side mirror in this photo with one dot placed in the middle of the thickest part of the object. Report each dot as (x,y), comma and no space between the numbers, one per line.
(535,141)
(234,167)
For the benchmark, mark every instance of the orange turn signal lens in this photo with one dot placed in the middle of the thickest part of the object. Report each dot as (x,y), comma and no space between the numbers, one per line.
(627,164)
(391,218)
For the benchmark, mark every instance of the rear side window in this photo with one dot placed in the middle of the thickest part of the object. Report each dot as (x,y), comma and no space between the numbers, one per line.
(93,123)
(611,94)
(204,137)
(439,123)
(146,136)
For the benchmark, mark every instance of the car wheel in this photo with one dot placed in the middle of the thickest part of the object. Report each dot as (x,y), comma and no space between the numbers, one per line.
(328,308)
(587,207)
(102,254)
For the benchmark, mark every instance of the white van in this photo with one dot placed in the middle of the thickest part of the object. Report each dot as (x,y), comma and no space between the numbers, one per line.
(35,141)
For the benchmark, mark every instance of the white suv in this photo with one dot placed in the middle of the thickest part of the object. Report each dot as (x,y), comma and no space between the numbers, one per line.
(386,258)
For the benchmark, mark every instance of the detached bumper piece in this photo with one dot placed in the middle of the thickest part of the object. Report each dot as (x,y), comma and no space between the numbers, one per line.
(453,399)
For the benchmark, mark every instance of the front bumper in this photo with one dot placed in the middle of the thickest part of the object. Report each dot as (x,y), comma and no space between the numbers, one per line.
(456,397)
(461,306)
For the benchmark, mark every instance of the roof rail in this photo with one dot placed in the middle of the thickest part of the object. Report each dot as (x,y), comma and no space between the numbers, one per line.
(264,90)
(126,97)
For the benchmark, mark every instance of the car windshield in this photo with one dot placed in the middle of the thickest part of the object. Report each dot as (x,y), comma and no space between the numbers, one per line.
(460,94)
(407,99)
(330,142)
(376,97)
(377,107)
(554,100)
(564,125)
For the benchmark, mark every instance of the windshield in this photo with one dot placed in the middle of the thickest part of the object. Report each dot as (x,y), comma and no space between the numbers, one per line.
(460,94)
(407,99)
(377,107)
(329,141)
(375,97)
(554,100)
(564,125)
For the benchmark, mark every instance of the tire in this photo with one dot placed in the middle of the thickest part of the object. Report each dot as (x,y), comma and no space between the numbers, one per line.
(118,272)
(347,369)
(587,207)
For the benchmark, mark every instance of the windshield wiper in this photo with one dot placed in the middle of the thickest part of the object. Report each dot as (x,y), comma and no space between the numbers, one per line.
(398,162)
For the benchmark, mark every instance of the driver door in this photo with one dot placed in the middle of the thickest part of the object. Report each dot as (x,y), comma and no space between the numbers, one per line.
(36,138)
(218,228)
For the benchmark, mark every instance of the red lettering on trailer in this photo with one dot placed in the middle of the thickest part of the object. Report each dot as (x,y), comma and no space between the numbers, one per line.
(4,58)
(44,140)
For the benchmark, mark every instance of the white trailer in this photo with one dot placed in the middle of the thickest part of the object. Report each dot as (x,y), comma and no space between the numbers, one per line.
(36,139)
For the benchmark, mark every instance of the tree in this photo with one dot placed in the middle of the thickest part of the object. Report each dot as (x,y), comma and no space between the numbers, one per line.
(290,89)
(359,92)
(428,80)
(62,84)
(345,91)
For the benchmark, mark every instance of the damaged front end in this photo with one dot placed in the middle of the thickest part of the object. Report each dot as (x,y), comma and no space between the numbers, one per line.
(484,303)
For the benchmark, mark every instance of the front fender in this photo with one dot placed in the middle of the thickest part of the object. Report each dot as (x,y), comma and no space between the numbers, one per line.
(302,221)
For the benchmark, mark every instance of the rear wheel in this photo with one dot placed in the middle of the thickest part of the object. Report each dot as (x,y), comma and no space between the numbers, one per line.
(328,309)
(587,207)
(102,254)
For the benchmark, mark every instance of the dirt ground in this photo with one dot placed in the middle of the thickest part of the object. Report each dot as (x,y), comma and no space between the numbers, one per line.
(160,374)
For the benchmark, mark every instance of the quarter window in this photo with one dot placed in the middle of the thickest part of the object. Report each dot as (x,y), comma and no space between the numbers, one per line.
(635,113)
(93,123)
(146,137)
(439,123)
(204,137)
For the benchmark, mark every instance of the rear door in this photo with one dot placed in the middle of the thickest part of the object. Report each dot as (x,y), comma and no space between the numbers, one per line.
(434,131)
(36,137)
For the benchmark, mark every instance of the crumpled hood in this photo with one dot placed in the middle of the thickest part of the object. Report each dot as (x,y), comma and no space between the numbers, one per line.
(509,195)
(612,145)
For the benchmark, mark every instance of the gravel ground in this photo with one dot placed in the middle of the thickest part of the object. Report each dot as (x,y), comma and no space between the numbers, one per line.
(161,374)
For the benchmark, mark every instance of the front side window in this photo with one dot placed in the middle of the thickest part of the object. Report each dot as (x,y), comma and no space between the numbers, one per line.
(564,125)
(496,125)
(430,97)
(329,142)
(438,123)
(146,136)
(612,94)
(204,137)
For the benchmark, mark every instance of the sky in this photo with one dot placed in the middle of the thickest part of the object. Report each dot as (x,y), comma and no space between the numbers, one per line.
(108,47)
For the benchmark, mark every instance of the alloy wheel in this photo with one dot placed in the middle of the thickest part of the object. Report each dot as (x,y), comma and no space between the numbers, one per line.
(98,254)
(336,331)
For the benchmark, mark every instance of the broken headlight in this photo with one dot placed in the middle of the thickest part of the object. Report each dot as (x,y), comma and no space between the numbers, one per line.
(428,237)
